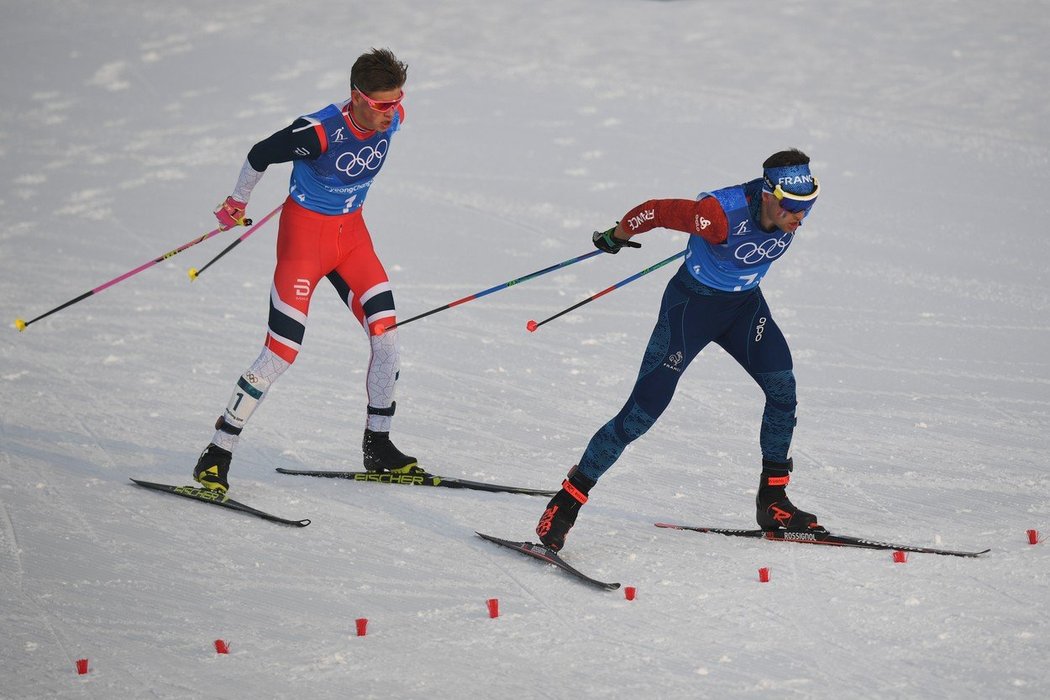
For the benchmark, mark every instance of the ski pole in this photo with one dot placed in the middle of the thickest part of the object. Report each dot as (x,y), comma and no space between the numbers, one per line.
(490,290)
(21,325)
(194,273)
(531,326)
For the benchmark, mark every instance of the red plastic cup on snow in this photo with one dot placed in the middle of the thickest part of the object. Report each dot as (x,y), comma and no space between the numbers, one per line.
(629,592)
(900,557)
(362,626)
(1033,537)
(493,604)
(763,575)
(222,646)
(82,666)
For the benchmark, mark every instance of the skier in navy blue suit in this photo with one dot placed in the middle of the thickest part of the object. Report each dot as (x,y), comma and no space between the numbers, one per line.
(736,234)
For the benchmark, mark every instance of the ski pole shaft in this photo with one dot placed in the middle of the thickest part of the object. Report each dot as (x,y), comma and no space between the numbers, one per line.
(21,325)
(194,273)
(531,326)
(490,290)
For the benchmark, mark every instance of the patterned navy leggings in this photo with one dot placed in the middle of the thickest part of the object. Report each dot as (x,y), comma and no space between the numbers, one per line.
(691,316)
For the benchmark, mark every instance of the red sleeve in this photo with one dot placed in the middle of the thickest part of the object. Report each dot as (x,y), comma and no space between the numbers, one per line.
(322,137)
(704,218)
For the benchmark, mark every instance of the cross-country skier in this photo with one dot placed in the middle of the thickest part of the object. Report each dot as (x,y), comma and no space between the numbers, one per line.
(336,153)
(736,234)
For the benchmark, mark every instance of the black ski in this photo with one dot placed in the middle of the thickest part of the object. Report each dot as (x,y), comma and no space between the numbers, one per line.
(819,537)
(544,553)
(219,499)
(418,480)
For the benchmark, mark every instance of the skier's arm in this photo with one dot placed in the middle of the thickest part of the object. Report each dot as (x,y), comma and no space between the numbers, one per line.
(704,218)
(301,139)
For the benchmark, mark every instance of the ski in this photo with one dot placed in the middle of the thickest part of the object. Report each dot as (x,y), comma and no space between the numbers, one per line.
(417,480)
(820,537)
(544,553)
(219,499)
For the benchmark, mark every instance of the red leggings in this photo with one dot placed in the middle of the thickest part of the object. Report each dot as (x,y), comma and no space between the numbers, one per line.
(311,246)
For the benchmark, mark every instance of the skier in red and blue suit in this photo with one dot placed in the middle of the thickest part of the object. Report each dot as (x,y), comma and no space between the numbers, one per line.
(336,154)
(737,233)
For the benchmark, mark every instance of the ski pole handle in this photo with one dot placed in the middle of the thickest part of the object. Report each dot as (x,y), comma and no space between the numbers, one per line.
(194,273)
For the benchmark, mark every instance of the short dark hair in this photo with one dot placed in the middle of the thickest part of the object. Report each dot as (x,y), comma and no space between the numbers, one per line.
(792,156)
(378,69)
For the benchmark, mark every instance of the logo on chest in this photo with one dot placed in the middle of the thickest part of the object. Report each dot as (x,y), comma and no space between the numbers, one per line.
(366,158)
(753,253)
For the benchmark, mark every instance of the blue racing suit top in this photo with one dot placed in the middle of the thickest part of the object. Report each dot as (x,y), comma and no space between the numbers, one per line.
(741,261)
(337,181)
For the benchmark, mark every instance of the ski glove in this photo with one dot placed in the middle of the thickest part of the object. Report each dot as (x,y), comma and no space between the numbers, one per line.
(605,240)
(230,213)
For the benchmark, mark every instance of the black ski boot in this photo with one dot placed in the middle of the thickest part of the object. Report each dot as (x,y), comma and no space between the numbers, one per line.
(212,468)
(380,455)
(774,510)
(560,515)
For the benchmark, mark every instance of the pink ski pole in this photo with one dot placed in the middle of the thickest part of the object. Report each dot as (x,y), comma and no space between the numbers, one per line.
(21,325)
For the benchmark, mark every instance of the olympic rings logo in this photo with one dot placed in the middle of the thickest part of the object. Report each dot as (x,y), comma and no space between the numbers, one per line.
(368,158)
(754,253)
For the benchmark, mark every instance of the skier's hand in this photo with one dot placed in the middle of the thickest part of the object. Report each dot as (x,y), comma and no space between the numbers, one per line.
(231,213)
(605,240)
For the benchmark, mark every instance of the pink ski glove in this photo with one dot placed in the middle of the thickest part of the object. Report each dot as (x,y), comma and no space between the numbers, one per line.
(230,213)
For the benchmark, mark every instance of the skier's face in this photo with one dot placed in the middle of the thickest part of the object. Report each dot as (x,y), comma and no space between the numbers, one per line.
(787,209)
(375,112)
(776,215)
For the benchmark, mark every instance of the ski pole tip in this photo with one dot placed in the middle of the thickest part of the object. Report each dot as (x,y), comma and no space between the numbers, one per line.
(193,273)
(20,325)
(531,326)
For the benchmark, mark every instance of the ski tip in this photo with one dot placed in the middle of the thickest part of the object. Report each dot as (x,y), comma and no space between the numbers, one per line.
(492,538)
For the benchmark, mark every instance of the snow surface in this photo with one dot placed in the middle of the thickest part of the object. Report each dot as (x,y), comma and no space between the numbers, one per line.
(915,300)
